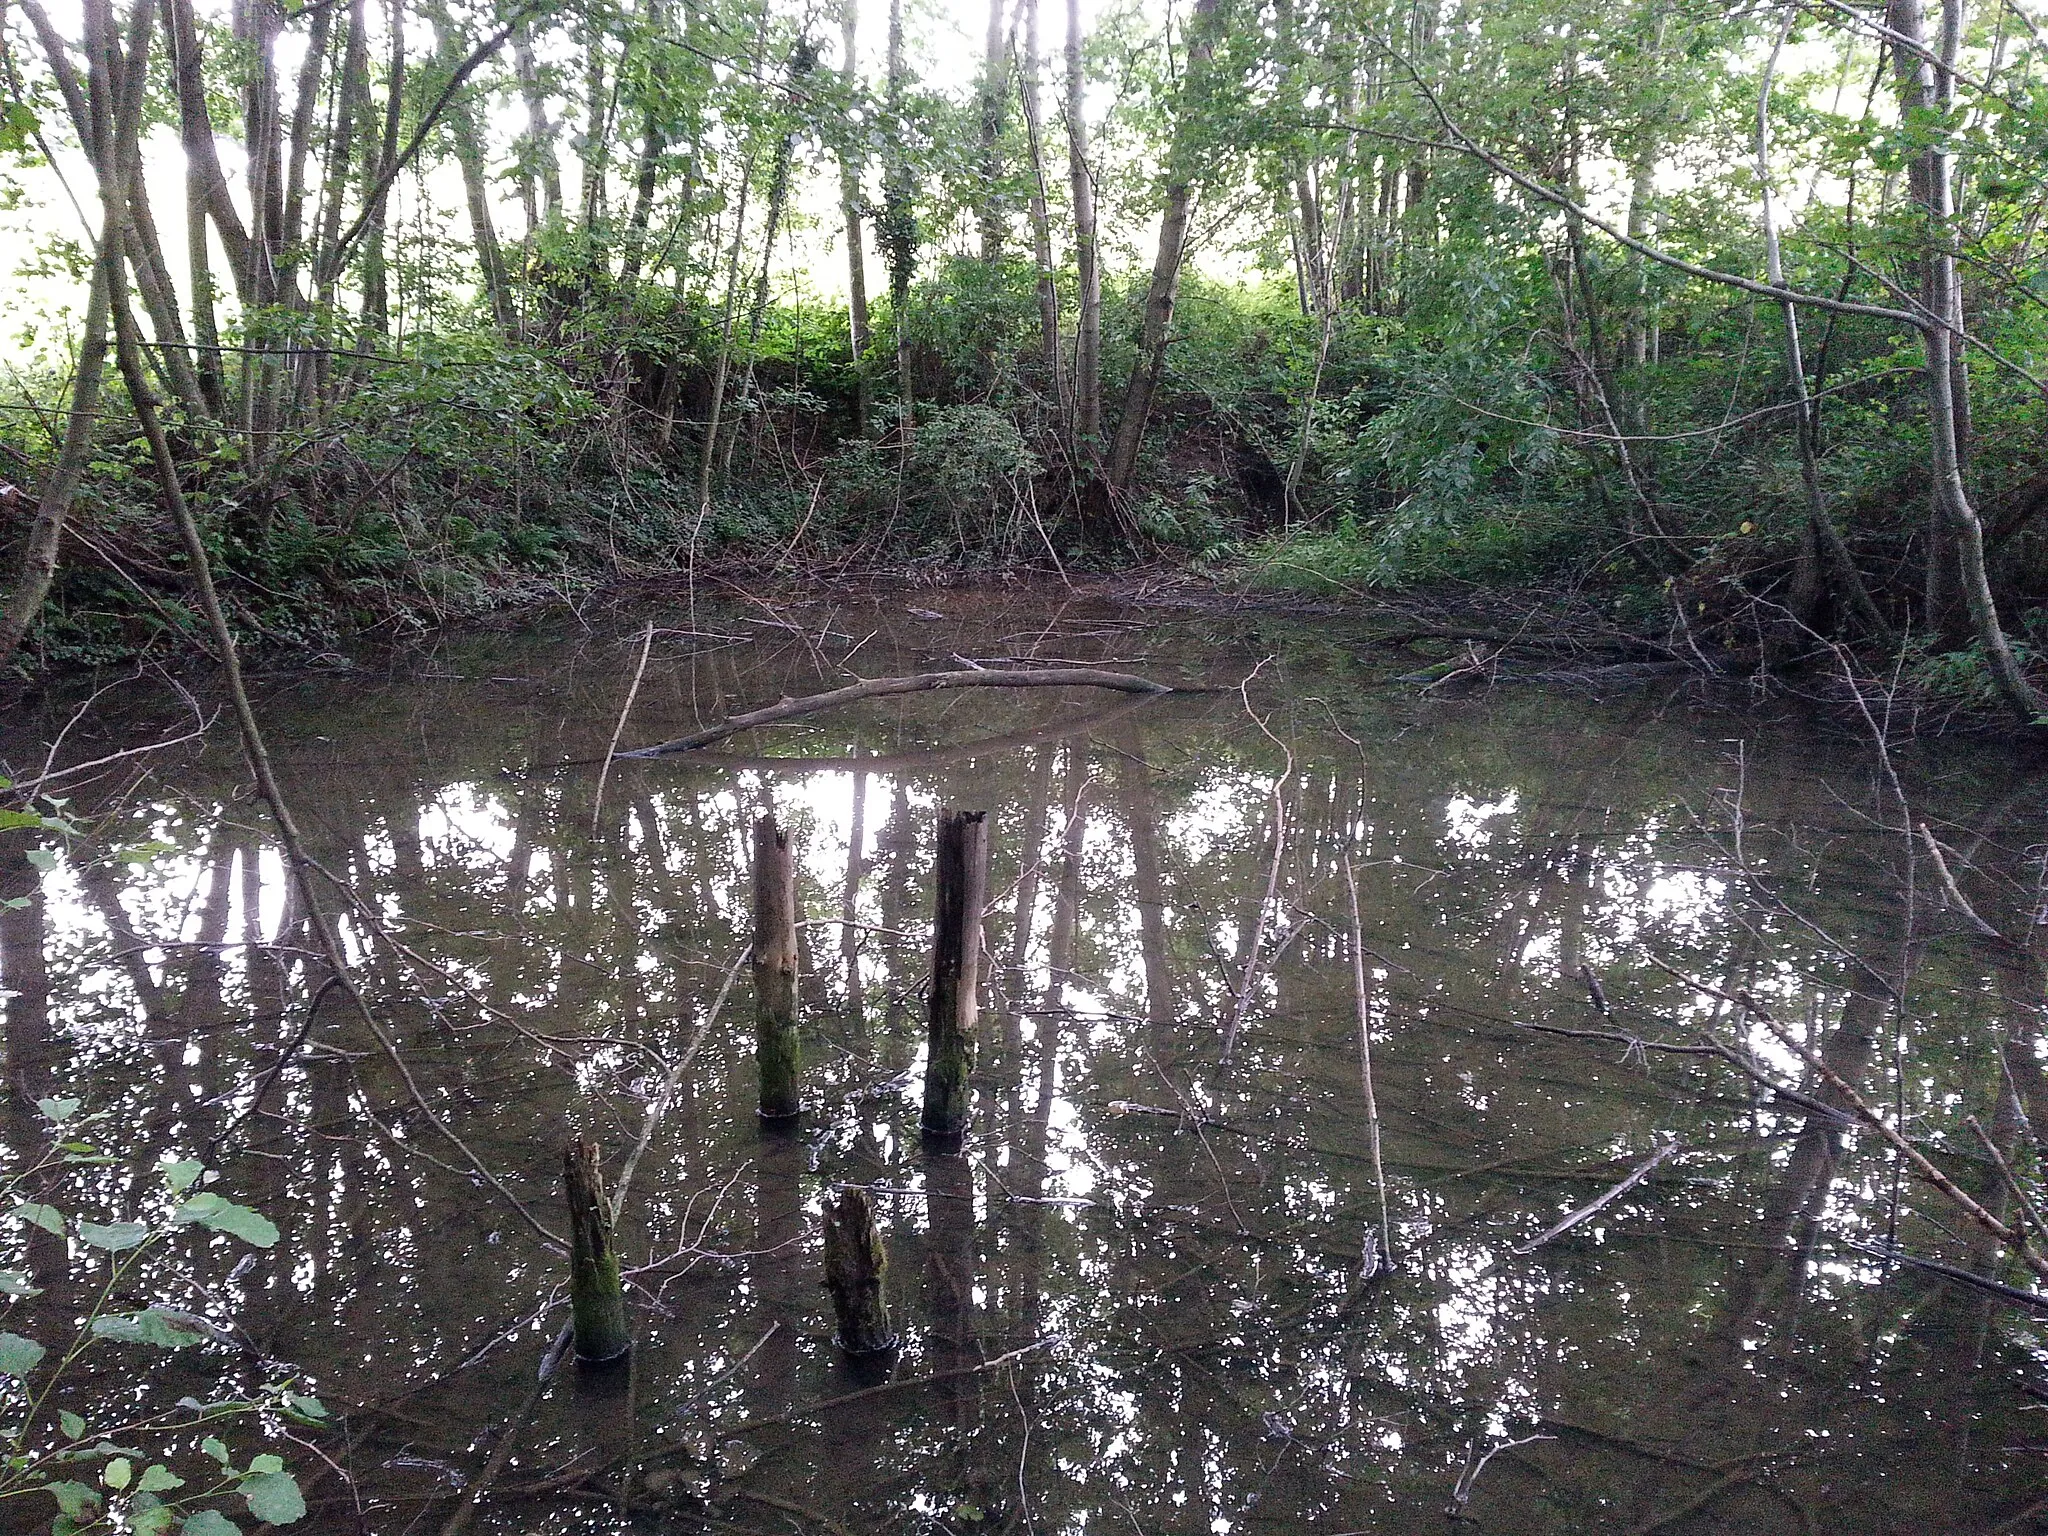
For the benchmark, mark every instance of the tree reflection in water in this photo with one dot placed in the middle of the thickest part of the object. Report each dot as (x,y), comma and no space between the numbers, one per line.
(1704,1355)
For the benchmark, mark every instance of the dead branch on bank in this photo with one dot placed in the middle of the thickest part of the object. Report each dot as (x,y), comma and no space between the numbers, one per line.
(884,687)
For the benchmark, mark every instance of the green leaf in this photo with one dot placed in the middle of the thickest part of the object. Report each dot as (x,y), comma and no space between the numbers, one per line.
(118,1473)
(115,1236)
(216,1450)
(58,1110)
(149,1326)
(18,125)
(274,1496)
(305,1407)
(158,1479)
(209,1522)
(181,1176)
(73,1498)
(74,1426)
(44,859)
(152,1522)
(266,1463)
(219,1215)
(18,1356)
(48,1217)
(14,1283)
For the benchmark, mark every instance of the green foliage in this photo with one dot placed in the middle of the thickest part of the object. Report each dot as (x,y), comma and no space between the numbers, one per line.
(101,1477)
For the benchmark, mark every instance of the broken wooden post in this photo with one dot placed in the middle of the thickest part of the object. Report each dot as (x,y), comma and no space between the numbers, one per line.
(956,969)
(856,1265)
(775,1037)
(597,1298)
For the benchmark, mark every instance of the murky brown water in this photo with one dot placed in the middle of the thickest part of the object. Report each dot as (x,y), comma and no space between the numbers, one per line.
(1137,1290)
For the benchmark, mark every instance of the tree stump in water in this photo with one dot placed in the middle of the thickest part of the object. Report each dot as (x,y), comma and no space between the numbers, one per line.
(956,970)
(597,1298)
(775,1033)
(856,1265)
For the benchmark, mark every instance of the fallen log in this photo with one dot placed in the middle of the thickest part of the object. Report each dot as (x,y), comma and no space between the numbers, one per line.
(883,687)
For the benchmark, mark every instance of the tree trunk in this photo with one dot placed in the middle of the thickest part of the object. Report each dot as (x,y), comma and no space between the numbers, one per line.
(898,226)
(646,173)
(596,153)
(989,215)
(110,137)
(1166,264)
(202,161)
(539,153)
(467,140)
(1920,90)
(379,157)
(1822,537)
(850,202)
(1087,252)
(1041,220)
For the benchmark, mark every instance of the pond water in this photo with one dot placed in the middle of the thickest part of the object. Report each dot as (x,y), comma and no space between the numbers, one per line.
(1133,1300)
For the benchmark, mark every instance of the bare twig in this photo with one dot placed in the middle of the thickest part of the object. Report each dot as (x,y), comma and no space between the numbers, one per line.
(1384,1259)
(1469,1478)
(1951,893)
(1600,1202)
(625,709)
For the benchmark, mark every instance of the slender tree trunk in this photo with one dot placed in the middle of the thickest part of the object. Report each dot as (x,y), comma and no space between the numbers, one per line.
(112,119)
(1823,538)
(898,231)
(707,458)
(467,141)
(205,321)
(1920,91)
(202,161)
(355,104)
(1041,218)
(850,204)
(1087,252)
(994,90)
(88,107)
(39,553)
(646,173)
(377,161)
(539,153)
(1166,265)
(596,153)
(1350,220)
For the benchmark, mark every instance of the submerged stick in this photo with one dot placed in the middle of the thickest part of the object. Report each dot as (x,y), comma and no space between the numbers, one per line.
(612,747)
(775,955)
(1382,1259)
(596,1296)
(1600,1202)
(882,687)
(856,1267)
(962,879)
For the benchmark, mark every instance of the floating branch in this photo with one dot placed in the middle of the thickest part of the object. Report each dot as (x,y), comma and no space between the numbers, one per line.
(883,687)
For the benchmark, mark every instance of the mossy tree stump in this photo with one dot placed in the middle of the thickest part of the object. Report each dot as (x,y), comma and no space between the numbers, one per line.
(962,879)
(597,1298)
(775,963)
(856,1270)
